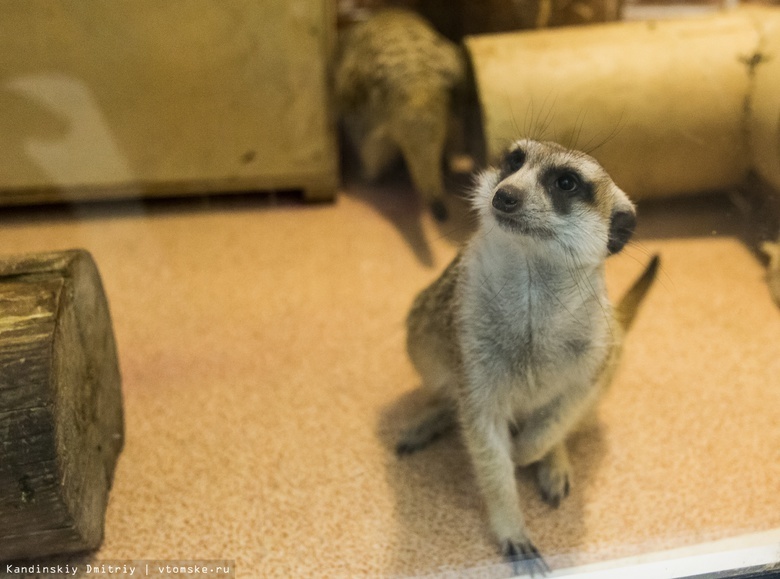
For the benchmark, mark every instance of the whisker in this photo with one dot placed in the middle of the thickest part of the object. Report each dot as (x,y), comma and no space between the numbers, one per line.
(614,133)
(549,117)
(581,127)
(514,121)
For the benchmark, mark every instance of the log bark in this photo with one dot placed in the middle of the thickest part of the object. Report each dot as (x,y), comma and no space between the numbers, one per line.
(61,419)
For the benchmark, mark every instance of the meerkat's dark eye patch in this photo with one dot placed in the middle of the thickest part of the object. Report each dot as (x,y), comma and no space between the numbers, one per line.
(565,186)
(512,162)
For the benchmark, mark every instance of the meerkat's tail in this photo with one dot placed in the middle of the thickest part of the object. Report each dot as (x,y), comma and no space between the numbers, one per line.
(626,309)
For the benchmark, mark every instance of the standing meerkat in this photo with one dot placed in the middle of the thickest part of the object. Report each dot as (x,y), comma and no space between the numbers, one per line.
(517,339)
(396,81)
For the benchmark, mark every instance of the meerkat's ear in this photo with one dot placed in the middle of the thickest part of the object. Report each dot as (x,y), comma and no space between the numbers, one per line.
(621,223)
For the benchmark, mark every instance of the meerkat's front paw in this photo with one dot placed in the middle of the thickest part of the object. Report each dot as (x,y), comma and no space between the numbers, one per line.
(524,557)
(554,476)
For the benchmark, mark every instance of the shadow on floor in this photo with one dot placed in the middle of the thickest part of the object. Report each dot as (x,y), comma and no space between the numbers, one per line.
(395,200)
(734,214)
(133,206)
(752,219)
(439,510)
(749,218)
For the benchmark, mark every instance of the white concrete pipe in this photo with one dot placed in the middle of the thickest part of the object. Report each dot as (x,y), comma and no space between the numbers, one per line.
(668,107)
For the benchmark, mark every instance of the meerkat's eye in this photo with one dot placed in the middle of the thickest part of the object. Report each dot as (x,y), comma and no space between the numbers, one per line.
(513,161)
(568,182)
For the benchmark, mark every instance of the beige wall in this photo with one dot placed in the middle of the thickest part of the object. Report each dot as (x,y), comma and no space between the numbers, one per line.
(109,98)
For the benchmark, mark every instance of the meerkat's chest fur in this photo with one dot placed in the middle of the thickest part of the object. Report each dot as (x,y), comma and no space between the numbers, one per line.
(534,327)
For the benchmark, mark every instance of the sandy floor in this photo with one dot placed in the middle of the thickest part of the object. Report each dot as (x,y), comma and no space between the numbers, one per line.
(265,381)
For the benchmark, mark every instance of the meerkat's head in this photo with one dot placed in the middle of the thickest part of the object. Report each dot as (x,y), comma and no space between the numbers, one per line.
(555,198)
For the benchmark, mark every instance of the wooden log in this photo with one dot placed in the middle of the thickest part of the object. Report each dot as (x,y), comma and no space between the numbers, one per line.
(61,419)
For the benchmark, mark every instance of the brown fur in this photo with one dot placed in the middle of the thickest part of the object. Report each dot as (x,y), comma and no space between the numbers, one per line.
(396,80)
(516,341)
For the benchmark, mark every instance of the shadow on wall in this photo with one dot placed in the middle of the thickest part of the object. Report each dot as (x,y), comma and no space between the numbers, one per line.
(57,114)
(27,120)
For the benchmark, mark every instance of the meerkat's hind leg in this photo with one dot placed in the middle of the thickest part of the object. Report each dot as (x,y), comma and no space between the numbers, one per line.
(426,172)
(554,476)
(377,154)
(422,139)
(437,418)
(375,148)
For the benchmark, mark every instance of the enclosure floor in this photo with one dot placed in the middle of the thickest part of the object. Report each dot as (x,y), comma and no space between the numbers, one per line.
(265,381)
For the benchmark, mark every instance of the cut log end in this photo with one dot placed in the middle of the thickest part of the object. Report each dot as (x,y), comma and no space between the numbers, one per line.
(61,419)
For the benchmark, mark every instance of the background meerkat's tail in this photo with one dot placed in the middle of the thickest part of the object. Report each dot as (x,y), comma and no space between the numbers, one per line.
(626,309)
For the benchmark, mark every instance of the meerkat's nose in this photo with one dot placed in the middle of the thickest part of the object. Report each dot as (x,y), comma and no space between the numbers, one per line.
(507,200)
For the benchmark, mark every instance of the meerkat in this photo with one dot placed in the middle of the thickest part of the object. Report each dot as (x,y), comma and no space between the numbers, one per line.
(396,81)
(517,339)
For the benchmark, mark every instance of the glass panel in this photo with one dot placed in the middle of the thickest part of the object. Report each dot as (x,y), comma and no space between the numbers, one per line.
(424,289)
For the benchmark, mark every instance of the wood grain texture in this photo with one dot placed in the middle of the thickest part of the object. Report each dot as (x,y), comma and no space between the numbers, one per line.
(61,421)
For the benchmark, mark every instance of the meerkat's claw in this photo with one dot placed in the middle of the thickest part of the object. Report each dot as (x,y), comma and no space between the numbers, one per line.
(525,558)
(439,210)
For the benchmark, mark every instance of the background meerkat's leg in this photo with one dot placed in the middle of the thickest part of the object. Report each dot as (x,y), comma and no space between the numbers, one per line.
(549,426)
(488,443)
(374,147)
(377,153)
(554,475)
(437,418)
(422,139)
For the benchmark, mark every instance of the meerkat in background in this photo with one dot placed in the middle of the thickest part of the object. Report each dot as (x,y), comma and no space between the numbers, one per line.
(517,339)
(395,85)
